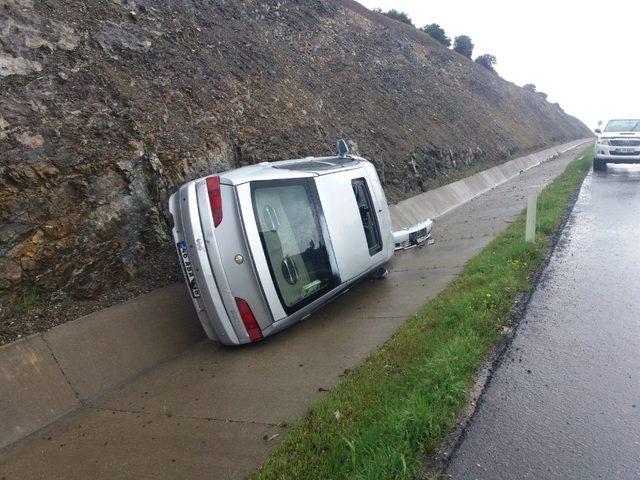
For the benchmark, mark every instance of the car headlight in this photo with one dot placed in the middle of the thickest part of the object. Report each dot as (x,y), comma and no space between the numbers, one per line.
(603,141)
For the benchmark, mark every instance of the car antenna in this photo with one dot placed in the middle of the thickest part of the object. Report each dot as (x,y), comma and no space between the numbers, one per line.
(343,148)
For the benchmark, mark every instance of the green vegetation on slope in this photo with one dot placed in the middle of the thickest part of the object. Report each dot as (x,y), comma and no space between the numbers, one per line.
(381,420)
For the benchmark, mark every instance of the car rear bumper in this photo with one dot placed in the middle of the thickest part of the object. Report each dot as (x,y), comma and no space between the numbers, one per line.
(210,303)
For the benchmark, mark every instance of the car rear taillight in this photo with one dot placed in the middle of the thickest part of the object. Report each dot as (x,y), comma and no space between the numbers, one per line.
(250,323)
(215,199)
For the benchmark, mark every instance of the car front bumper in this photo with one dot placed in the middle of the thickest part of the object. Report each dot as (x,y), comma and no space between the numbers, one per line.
(612,154)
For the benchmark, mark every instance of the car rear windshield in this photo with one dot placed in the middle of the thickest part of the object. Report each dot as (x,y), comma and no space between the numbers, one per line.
(289,218)
(623,126)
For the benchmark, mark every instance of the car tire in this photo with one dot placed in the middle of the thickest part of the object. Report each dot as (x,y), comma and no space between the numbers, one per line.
(380,273)
(599,165)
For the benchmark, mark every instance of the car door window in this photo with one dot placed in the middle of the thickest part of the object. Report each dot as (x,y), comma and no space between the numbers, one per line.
(368,215)
(289,220)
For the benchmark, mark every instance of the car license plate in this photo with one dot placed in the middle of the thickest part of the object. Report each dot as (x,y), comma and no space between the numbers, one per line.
(187,268)
(625,150)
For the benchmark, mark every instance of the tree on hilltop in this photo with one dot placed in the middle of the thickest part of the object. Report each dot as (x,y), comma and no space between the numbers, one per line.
(463,45)
(487,61)
(436,32)
(396,15)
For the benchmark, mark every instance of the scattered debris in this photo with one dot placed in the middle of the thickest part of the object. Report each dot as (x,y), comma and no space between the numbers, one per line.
(412,236)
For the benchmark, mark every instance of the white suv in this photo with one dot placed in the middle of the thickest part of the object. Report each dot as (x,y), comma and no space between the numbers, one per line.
(619,142)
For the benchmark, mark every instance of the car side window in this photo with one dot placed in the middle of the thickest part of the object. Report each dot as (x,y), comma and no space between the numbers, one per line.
(367,215)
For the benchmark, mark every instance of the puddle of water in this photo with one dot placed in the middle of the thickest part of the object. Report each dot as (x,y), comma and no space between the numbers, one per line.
(628,170)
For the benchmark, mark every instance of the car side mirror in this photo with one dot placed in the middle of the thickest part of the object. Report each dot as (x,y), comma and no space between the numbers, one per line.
(597,130)
(343,148)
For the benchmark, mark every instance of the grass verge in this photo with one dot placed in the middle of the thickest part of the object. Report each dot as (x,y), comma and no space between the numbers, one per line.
(380,421)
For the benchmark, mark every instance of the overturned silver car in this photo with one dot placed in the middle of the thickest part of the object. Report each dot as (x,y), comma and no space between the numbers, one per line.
(263,246)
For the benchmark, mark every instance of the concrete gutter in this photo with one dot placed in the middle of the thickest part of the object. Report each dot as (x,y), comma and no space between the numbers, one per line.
(439,201)
(48,375)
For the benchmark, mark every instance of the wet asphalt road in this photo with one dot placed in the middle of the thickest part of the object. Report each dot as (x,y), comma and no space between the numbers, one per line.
(565,401)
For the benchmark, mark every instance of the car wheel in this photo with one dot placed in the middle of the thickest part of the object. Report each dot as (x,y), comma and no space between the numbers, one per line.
(599,165)
(380,273)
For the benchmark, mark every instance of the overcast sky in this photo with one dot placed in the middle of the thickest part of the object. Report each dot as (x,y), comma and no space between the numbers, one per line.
(580,55)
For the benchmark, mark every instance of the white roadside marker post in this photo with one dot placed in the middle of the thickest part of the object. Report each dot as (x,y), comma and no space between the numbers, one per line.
(532,206)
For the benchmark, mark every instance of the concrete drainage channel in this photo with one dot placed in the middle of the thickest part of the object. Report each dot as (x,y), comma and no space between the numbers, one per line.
(439,201)
(49,375)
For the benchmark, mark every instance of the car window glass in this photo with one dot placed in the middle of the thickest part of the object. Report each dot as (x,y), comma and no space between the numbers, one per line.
(623,126)
(288,223)
(368,215)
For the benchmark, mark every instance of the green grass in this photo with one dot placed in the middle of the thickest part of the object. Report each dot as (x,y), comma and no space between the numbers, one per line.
(21,305)
(400,403)
(25,302)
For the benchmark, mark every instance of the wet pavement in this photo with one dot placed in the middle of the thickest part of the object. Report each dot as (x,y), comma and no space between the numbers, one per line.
(216,412)
(565,400)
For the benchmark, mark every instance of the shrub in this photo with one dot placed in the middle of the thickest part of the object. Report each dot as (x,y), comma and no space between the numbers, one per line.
(530,87)
(436,32)
(463,45)
(487,61)
(396,15)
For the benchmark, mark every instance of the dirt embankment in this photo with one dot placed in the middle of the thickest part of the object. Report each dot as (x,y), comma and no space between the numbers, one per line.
(106,107)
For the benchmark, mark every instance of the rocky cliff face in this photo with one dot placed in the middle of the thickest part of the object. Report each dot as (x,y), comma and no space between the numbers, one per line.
(107,107)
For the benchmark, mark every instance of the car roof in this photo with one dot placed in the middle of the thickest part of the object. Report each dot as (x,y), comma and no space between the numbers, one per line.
(297,168)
